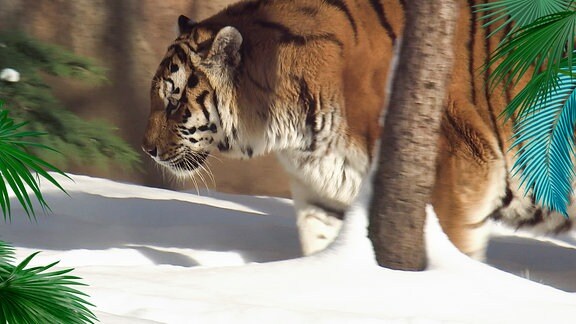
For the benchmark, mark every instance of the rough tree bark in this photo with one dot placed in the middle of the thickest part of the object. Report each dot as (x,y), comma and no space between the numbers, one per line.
(405,173)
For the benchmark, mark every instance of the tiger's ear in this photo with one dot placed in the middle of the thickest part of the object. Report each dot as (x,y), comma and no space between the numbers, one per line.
(185,24)
(226,47)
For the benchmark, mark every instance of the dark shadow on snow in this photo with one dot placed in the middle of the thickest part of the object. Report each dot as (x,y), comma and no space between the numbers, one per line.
(86,221)
(538,261)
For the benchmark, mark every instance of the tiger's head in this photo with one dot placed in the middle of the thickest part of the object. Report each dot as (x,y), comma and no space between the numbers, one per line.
(193,80)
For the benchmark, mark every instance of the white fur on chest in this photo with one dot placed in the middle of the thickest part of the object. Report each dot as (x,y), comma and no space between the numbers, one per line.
(320,156)
(332,172)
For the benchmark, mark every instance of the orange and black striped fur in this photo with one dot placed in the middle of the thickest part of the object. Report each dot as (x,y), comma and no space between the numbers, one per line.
(306,79)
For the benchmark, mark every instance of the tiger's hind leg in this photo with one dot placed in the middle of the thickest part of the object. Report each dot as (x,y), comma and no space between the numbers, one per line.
(464,205)
(473,186)
(471,179)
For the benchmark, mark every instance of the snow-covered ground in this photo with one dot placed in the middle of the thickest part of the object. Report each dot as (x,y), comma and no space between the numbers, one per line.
(158,256)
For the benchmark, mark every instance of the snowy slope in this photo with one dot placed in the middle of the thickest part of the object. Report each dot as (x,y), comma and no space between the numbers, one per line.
(157,256)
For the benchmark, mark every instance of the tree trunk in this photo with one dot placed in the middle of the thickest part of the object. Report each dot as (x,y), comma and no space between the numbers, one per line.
(408,142)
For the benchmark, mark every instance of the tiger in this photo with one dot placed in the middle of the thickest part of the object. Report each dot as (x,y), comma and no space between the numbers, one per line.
(306,80)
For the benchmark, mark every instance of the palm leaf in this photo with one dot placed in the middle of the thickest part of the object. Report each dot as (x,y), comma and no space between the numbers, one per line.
(32,295)
(10,170)
(16,167)
(540,44)
(518,13)
(545,138)
(6,253)
(36,295)
(538,47)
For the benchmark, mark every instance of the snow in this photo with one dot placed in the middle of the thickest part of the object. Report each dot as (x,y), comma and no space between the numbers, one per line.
(159,256)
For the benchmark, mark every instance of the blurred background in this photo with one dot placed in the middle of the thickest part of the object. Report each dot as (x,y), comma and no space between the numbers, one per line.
(94,101)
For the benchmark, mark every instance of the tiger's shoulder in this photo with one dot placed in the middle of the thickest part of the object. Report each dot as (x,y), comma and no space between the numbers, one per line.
(304,57)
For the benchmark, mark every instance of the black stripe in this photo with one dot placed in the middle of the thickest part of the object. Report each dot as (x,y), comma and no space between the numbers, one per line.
(507,200)
(247,8)
(192,81)
(329,38)
(275,26)
(509,95)
(493,116)
(166,62)
(187,44)
(183,130)
(541,215)
(377,6)
(403,4)
(479,148)
(564,227)
(204,46)
(288,37)
(224,146)
(249,152)
(497,213)
(332,211)
(180,53)
(536,219)
(309,104)
(470,46)
(183,98)
(215,101)
(200,100)
(308,11)
(170,108)
(340,5)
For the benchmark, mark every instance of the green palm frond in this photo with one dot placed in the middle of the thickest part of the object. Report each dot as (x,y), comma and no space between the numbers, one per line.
(17,167)
(31,295)
(35,295)
(6,253)
(519,13)
(539,47)
(545,138)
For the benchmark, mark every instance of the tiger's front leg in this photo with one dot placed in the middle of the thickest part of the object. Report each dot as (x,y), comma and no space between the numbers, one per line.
(325,181)
(318,223)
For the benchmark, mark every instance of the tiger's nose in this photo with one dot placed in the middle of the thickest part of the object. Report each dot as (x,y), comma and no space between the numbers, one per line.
(151,150)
